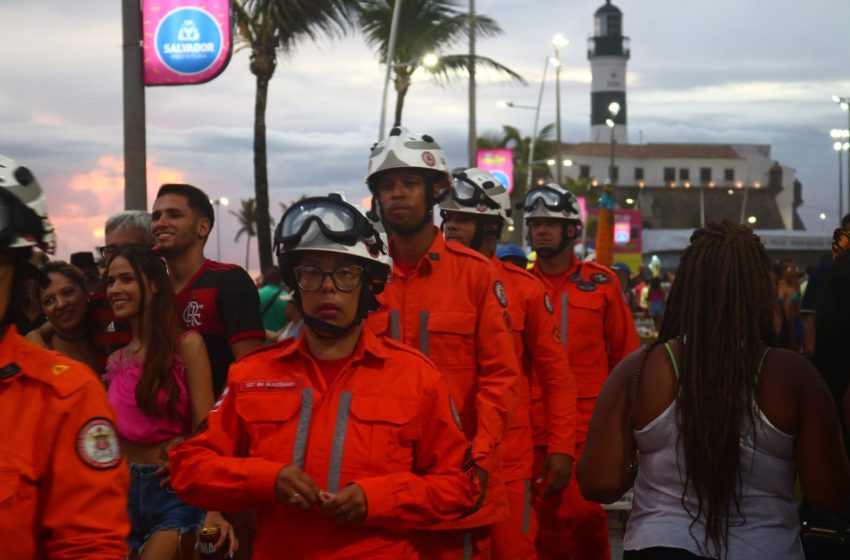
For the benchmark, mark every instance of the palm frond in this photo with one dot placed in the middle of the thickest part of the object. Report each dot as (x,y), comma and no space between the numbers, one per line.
(457,65)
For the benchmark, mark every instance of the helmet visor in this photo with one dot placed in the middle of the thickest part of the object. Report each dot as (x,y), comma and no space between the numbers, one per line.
(549,197)
(337,221)
(467,193)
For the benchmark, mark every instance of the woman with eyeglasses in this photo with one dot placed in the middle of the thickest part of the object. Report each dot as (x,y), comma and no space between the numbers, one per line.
(343,442)
(160,387)
(63,301)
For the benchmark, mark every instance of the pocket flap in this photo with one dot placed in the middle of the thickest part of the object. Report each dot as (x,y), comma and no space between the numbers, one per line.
(374,408)
(584,301)
(269,407)
(456,322)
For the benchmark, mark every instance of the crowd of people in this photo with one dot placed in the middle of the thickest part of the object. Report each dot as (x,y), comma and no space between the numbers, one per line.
(399,388)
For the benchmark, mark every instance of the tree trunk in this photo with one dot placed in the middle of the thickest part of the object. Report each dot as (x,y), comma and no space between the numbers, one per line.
(248,254)
(261,178)
(402,84)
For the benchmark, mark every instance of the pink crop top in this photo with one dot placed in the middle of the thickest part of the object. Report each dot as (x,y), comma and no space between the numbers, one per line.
(133,424)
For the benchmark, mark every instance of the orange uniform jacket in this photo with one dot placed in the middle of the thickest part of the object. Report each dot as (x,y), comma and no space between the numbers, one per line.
(454,308)
(542,356)
(600,328)
(384,423)
(63,481)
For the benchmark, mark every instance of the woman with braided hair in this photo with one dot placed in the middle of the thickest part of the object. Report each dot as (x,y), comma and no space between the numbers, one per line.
(710,423)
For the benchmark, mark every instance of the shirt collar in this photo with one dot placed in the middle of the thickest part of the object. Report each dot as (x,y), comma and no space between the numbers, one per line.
(432,256)
(368,343)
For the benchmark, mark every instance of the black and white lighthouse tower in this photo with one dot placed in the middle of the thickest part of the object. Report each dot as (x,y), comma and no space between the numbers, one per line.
(608,52)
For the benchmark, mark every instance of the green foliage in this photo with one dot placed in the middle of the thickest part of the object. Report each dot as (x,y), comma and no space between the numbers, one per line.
(426,26)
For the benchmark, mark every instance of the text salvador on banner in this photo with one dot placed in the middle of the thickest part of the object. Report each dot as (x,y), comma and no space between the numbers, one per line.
(185,41)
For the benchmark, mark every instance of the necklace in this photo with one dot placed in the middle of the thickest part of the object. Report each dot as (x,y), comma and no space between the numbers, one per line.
(72,339)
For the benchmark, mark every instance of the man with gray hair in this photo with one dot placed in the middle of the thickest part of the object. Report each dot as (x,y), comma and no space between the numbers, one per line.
(131,227)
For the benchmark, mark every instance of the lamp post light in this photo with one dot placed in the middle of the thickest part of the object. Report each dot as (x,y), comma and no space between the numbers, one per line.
(822,217)
(428,60)
(841,145)
(559,42)
(217,202)
(844,103)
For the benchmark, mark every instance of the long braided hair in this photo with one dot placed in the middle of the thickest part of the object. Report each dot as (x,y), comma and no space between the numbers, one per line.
(720,309)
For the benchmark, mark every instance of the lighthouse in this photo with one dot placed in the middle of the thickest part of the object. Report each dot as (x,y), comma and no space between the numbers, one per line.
(608,52)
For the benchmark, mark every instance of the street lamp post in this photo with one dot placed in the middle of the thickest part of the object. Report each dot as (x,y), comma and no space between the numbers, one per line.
(217,202)
(559,41)
(613,110)
(841,145)
(844,103)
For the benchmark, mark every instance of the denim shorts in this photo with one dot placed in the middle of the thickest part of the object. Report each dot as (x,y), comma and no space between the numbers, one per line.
(153,509)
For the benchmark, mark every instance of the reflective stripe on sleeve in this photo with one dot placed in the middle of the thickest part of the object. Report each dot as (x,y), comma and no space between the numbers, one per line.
(303,428)
(423,332)
(564,318)
(338,445)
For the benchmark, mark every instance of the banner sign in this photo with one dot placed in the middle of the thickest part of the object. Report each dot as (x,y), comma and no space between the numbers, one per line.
(185,41)
(499,162)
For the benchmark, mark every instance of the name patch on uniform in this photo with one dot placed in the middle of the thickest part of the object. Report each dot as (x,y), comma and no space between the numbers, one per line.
(258,386)
(586,286)
(499,290)
(600,278)
(97,444)
(547,302)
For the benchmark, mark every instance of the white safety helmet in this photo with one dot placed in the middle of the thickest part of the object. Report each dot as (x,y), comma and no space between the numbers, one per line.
(23,210)
(404,149)
(551,201)
(331,224)
(476,191)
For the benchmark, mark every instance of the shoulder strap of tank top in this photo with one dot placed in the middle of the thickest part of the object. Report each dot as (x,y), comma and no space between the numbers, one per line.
(761,363)
(672,359)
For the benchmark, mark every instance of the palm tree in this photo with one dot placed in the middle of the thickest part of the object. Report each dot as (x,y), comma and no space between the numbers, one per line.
(425,26)
(266,27)
(248,224)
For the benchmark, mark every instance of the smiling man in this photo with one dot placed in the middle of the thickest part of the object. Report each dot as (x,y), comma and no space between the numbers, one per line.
(218,300)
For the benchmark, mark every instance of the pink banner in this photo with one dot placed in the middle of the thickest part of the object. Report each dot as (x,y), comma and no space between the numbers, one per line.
(499,162)
(185,41)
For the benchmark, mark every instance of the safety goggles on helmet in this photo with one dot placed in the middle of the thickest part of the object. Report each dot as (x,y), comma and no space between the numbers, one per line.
(548,201)
(467,194)
(338,221)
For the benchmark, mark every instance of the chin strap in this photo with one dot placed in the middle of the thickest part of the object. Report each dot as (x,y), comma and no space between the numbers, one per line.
(327,330)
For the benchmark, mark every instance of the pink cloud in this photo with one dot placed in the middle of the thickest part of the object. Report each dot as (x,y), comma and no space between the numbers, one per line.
(80,203)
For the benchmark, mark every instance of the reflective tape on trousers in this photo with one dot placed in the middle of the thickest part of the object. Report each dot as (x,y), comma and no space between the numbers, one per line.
(338,445)
(303,428)
(423,332)
(564,318)
(395,325)
(526,512)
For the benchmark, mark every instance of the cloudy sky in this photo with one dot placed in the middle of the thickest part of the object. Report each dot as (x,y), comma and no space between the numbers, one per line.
(758,71)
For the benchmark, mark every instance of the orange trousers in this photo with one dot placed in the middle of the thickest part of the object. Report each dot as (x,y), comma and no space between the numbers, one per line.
(570,526)
(513,538)
(461,544)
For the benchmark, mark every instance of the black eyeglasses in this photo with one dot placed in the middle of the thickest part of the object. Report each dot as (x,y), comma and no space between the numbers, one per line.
(345,278)
(109,251)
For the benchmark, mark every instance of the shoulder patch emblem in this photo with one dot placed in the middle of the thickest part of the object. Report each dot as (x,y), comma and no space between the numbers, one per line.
(547,302)
(97,444)
(586,286)
(499,290)
(600,278)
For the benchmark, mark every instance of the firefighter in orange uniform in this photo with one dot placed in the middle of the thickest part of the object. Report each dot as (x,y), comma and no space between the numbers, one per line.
(64,483)
(474,213)
(447,300)
(343,442)
(600,333)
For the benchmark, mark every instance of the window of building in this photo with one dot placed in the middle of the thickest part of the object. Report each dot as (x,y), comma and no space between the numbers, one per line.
(684,174)
(638,173)
(728,174)
(669,174)
(584,171)
(705,174)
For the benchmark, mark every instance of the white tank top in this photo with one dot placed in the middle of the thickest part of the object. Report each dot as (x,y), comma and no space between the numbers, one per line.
(770,527)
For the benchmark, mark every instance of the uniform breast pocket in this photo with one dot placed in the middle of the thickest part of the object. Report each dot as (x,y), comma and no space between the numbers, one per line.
(381,434)
(18,504)
(272,422)
(451,339)
(586,329)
